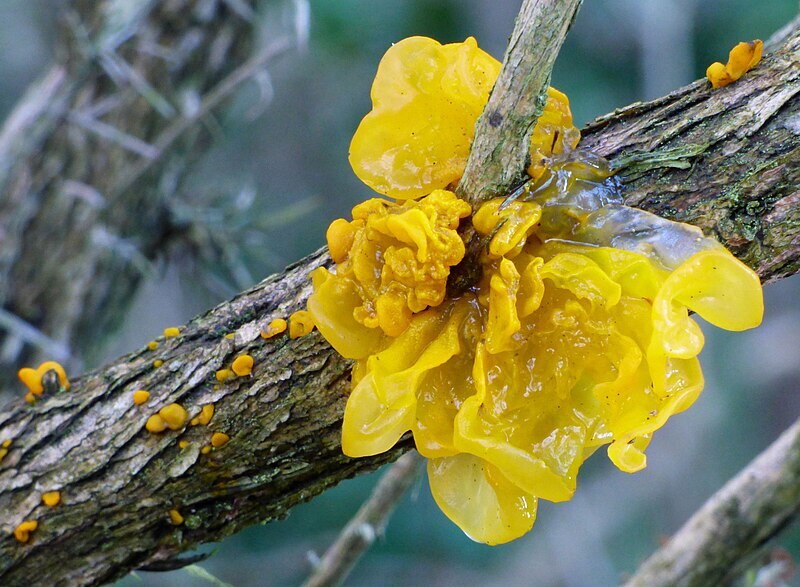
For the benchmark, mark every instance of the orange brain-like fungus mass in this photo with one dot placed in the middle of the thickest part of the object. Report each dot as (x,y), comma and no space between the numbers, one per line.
(577,335)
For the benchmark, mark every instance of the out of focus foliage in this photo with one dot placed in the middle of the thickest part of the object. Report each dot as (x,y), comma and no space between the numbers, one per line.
(279,175)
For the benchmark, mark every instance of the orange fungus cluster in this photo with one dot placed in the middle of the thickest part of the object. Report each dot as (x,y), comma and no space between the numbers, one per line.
(741,59)
(578,335)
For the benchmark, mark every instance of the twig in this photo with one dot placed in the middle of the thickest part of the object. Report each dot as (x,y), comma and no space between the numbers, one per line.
(497,160)
(748,511)
(368,523)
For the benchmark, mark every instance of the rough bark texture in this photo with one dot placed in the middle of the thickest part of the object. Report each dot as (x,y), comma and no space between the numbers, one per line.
(725,160)
(738,520)
(499,154)
(118,481)
(89,159)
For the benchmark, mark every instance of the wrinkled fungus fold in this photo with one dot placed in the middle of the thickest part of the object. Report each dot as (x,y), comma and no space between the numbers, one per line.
(577,336)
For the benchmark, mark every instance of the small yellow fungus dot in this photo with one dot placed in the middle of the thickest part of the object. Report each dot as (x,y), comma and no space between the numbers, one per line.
(229,336)
(340,237)
(174,415)
(225,374)
(51,499)
(23,532)
(183,444)
(242,365)
(4,450)
(140,396)
(300,324)
(32,378)
(219,439)
(206,449)
(175,517)
(157,363)
(205,415)
(171,332)
(155,424)
(274,328)
(152,345)
(30,398)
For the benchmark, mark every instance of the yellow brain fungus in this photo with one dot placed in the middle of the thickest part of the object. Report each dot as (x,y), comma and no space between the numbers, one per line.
(157,363)
(51,499)
(396,264)
(742,58)
(23,532)
(242,365)
(182,444)
(578,334)
(172,416)
(175,517)
(152,345)
(426,98)
(140,396)
(172,332)
(219,439)
(206,449)
(274,328)
(32,378)
(300,324)
(204,417)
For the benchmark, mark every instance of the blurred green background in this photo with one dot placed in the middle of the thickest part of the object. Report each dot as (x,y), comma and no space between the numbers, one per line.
(279,174)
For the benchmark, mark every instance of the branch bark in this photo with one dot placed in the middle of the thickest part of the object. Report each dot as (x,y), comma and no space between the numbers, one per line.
(118,100)
(118,481)
(499,154)
(739,519)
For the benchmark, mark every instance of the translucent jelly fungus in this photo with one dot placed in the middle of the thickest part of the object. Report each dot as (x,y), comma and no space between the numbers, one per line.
(300,324)
(51,499)
(396,264)
(23,532)
(742,58)
(242,365)
(175,517)
(426,98)
(32,378)
(219,439)
(274,328)
(578,335)
(172,332)
(140,396)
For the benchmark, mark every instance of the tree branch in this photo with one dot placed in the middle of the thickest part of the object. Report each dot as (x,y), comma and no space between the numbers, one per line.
(740,518)
(499,153)
(118,481)
(369,523)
